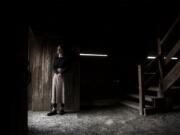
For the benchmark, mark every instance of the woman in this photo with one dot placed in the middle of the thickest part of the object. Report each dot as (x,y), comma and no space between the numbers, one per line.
(58,83)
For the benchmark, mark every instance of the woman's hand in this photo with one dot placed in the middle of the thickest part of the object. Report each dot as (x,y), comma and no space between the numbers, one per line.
(59,74)
(59,70)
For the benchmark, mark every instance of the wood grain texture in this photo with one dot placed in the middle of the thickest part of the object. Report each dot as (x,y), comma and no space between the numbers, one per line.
(41,56)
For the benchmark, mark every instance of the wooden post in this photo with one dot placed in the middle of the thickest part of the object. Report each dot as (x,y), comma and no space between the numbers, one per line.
(141,91)
(160,61)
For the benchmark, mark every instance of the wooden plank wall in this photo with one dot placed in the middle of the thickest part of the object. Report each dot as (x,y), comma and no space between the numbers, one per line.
(41,55)
(72,85)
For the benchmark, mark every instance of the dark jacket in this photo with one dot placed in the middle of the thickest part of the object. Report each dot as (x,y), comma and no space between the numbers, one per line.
(60,63)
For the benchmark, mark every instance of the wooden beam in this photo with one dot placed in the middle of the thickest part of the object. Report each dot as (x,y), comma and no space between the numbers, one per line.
(172,76)
(173,51)
(141,91)
(170,30)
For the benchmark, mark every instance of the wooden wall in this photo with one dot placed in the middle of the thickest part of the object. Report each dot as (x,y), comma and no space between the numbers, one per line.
(41,55)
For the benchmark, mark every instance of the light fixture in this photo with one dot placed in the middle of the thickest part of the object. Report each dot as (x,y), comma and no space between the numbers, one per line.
(151,57)
(93,55)
(154,57)
(174,58)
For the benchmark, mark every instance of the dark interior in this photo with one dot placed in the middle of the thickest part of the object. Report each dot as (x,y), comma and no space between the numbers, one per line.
(125,30)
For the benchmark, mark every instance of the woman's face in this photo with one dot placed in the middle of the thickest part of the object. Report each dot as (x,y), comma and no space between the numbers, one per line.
(59,50)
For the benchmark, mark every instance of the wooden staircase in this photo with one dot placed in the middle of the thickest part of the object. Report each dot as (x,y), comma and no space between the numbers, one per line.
(157,77)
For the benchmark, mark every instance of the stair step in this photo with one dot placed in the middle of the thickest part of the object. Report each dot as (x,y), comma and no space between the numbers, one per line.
(147,97)
(134,105)
(150,73)
(175,88)
(153,88)
(131,104)
(149,110)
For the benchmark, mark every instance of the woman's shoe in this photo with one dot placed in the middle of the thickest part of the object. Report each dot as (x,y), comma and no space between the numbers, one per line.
(61,112)
(53,112)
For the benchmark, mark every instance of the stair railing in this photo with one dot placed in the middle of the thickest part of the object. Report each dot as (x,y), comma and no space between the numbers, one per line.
(161,63)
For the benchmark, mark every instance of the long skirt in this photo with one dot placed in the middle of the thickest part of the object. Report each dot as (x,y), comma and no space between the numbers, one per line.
(57,89)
